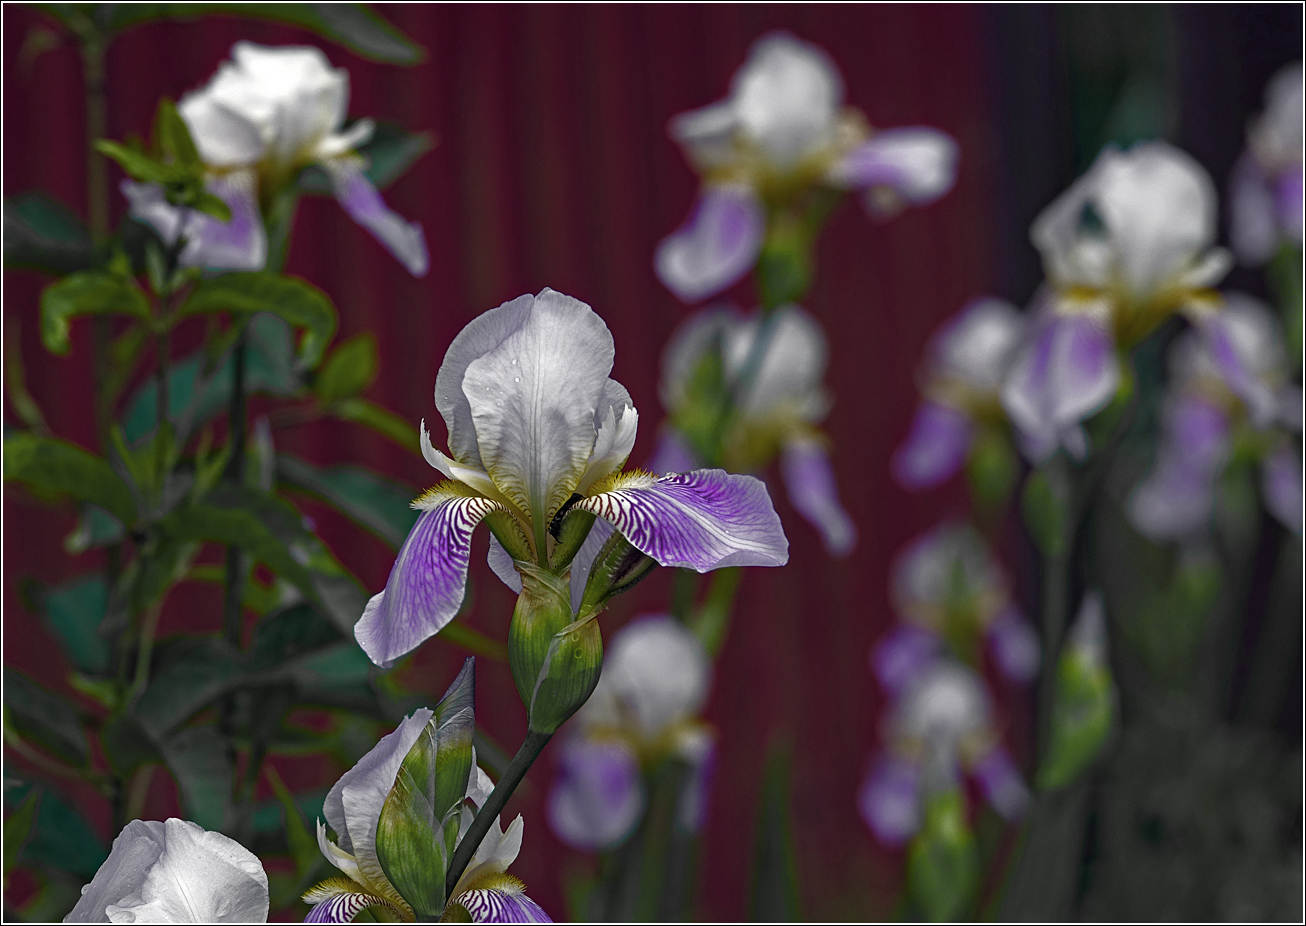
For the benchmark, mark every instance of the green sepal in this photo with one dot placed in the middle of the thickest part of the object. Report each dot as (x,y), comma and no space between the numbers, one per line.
(90,292)
(418,827)
(568,676)
(507,530)
(571,536)
(618,567)
(348,369)
(543,609)
(943,865)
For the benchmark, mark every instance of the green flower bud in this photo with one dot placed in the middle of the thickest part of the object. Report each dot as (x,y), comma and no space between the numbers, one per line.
(568,677)
(943,863)
(617,568)
(543,609)
(1083,706)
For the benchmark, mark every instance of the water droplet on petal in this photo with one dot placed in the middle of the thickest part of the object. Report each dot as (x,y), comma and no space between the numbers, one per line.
(516,379)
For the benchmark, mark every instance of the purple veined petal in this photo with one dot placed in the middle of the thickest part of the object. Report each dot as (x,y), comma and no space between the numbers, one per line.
(902,655)
(505,903)
(702,520)
(716,246)
(598,796)
(673,454)
(889,800)
(1281,484)
(914,165)
(360,199)
(935,448)
(341,908)
(809,478)
(428,580)
(501,564)
(1015,645)
(1002,784)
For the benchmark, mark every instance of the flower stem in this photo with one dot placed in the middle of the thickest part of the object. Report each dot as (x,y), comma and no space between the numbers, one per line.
(530,750)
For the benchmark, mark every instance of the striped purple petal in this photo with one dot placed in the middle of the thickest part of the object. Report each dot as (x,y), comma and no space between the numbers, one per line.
(504,904)
(716,246)
(342,908)
(361,200)
(890,801)
(809,478)
(935,448)
(702,520)
(598,796)
(428,580)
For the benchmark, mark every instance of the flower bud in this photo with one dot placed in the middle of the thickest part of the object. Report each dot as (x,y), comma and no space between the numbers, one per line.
(943,866)
(543,609)
(617,568)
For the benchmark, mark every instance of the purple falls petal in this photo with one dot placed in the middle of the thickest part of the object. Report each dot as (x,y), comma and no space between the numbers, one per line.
(427,582)
(889,800)
(240,244)
(1176,497)
(902,655)
(1244,341)
(341,908)
(1253,225)
(1002,784)
(1015,645)
(809,478)
(502,904)
(935,448)
(715,247)
(702,520)
(672,454)
(912,165)
(361,200)
(1281,484)
(598,796)
(1288,197)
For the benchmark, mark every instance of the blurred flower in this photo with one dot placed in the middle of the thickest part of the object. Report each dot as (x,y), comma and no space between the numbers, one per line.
(1228,389)
(777,399)
(938,726)
(174,871)
(1265,194)
(645,709)
(782,130)
(947,584)
(266,114)
(353,809)
(537,431)
(966,363)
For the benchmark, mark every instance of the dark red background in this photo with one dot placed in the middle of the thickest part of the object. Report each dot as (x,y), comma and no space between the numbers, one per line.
(553,168)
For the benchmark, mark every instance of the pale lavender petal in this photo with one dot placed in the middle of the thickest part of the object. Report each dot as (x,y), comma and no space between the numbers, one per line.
(502,905)
(342,908)
(1199,429)
(428,580)
(701,754)
(1177,496)
(501,564)
(1253,225)
(598,796)
(583,564)
(902,655)
(935,448)
(809,478)
(361,200)
(1288,195)
(672,454)
(889,800)
(1281,484)
(1015,645)
(914,165)
(716,247)
(702,520)
(1003,786)
(240,244)
(1244,340)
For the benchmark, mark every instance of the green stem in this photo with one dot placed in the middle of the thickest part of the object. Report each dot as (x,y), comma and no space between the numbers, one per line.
(712,623)
(530,750)
(1053,613)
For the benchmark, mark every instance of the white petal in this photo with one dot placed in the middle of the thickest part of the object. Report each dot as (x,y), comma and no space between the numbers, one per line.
(473,476)
(689,344)
(792,363)
(707,134)
(976,348)
(787,97)
(658,672)
(224,138)
(501,564)
(942,705)
(496,852)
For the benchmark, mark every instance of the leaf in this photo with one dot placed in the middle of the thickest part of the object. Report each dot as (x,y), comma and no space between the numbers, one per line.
(88,292)
(352,25)
(775,874)
(199,759)
(296,301)
(389,152)
(73,612)
(303,845)
(60,837)
(381,420)
(172,135)
(127,744)
(349,369)
(187,675)
(95,528)
(137,163)
(42,233)
(370,500)
(61,468)
(289,634)
(18,828)
(43,717)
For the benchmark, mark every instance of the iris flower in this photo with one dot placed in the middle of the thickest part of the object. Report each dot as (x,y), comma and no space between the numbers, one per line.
(645,708)
(174,871)
(777,412)
(267,114)
(1266,187)
(538,432)
(353,809)
(1128,244)
(782,130)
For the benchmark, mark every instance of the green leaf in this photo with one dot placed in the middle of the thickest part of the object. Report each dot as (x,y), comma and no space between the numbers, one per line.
(199,760)
(296,301)
(61,468)
(943,866)
(352,25)
(1083,704)
(73,612)
(127,744)
(349,369)
(289,634)
(95,528)
(40,232)
(1046,505)
(775,895)
(371,501)
(44,718)
(172,135)
(89,292)
(389,152)
(418,827)
(381,420)
(188,675)
(18,828)
(137,163)
(303,845)
(60,837)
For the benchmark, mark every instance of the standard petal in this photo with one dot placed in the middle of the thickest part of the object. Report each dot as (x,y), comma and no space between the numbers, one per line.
(787,377)
(976,347)
(1281,484)
(658,672)
(361,200)
(175,872)
(598,796)
(224,137)
(429,577)
(1015,645)
(504,902)
(616,423)
(716,246)
(935,449)
(889,800)
(707,134)
(1002,784)
(912,166)
(787,98)
(903,655)
(702,520)
(532,398)
(693,341)
(809,478)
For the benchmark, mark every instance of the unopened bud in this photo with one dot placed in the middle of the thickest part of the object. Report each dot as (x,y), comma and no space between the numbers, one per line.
(617,568)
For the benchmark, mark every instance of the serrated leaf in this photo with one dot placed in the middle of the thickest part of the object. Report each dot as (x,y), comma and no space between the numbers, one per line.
(348,370)
(42,717)
(389,152)
(73,613)
(40,232)
(60,837)
(296,301)
(89,292)
(200,762)
(370,500)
